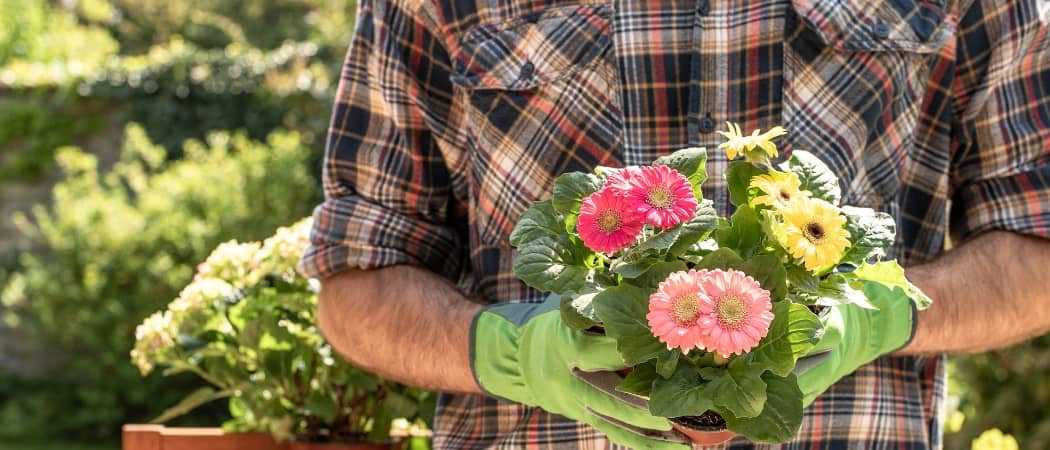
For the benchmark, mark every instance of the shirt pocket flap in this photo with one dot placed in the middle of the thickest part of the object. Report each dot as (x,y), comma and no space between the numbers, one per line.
(916,26)
(533,49)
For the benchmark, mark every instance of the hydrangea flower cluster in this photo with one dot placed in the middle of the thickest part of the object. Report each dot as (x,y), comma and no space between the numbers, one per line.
(221,281)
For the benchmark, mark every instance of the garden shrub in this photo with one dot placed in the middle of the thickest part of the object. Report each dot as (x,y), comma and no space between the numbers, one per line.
(119,245)
(1005,389)
(33,126)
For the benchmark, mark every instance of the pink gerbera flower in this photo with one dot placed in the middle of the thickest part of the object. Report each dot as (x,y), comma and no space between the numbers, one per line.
(661,194)
(607,223)
(620,180)
(734,312)
(674,311)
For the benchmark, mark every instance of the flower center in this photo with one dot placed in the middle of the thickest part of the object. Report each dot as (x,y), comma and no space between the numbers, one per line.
(814,232)
(785,196)
(731,311)
(659,197)
(685,309)
(609,221)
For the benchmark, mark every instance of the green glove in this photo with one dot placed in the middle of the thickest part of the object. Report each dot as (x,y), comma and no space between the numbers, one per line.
(855,336)
(525,354)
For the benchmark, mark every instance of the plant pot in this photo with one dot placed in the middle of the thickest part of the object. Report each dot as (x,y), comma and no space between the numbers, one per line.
(158,437)
(698,430)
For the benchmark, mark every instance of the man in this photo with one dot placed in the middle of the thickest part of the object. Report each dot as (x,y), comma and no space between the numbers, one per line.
(452,116)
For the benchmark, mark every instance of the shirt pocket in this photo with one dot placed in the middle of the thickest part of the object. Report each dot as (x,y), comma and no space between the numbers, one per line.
(855,76)
(542,96)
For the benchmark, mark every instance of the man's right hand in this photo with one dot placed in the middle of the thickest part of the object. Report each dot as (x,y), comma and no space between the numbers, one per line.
(526,354)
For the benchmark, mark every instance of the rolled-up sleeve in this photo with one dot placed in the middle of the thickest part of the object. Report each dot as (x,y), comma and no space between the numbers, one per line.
(1001,153)
(386,171)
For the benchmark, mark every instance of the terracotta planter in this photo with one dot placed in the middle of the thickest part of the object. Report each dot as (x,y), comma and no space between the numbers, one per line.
(157,437)
(705,435)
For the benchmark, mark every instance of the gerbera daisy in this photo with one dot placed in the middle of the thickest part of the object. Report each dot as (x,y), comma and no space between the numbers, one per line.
(674,309)
(814,232)
(734,313)
(607,222)
(778,188)
(660,194)
(739,144)
(620,179)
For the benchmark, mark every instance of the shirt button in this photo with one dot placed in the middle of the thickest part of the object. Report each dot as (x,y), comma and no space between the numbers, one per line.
(704,7)
(527,70)
(882,31)
(707,125)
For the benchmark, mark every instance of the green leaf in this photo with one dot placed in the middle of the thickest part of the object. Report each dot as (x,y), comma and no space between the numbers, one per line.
(744,234)
(835,290)
(690,162)
(800,278)
(816,177)
(891,275)
(769,272)
(539,221)
(738,181)
(552,265)
(321,405)
(622,310)
(667,362)
(722,258)
(577,310)
(570,189)
(398,405)
(640,381)
(657,273)
(683,394)
(658,241)
(871,233)
(631,268)
(781,417)
(191,402)
(696,229)
(740,390)
(793,332)
(380,432)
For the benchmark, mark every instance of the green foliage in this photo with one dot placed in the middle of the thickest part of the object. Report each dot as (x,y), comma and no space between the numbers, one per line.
(31,129)
(236,88)
(247,325)
(35,36)
(264,24)
(115,245)
(1005,389)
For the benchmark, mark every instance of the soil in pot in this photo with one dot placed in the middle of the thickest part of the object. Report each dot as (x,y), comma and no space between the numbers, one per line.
(708,428)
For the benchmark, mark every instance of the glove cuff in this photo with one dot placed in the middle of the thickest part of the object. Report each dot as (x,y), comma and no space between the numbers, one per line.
(494,361)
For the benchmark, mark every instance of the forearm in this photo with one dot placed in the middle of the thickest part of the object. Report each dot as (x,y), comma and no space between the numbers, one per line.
(402,323)
(989,293)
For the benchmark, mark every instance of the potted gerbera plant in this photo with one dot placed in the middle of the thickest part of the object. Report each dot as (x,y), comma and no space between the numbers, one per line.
(246,325)
(710,312)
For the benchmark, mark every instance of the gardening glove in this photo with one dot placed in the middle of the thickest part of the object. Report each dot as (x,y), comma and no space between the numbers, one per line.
(855,336)
(526,354)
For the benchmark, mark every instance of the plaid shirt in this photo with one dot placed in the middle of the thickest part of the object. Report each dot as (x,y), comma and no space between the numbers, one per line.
(453,116)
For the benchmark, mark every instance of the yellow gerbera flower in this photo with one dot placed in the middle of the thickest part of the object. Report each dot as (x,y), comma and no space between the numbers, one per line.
(779,188)
(749,146)
(814,231)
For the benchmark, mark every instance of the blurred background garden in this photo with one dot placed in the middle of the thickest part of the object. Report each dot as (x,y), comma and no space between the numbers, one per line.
(138,135)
